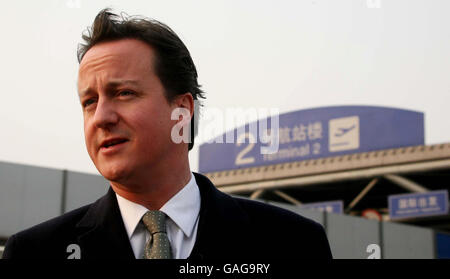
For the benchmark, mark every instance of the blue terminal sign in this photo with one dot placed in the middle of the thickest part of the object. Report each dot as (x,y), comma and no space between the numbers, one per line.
(311,134)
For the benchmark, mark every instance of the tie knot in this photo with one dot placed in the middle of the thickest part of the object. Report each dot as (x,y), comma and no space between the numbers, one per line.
(155,221)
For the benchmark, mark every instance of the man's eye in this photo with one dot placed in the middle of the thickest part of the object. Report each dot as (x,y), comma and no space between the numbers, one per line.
(126,93)
(88,102)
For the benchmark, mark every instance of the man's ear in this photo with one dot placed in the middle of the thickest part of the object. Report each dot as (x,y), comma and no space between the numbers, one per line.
(185,101)
(183,113)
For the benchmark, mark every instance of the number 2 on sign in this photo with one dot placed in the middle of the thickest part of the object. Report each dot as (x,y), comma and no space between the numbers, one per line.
(240,160)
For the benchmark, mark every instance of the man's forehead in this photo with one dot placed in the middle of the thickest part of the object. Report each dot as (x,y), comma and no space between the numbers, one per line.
(122,53)
(122,61)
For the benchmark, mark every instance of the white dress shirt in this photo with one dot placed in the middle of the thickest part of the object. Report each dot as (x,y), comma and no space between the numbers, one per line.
(183,213)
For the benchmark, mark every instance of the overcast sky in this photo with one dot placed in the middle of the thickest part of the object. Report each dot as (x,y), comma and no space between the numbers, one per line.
(289,55)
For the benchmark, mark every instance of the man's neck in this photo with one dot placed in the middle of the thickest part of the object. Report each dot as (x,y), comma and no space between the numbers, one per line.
(156,188)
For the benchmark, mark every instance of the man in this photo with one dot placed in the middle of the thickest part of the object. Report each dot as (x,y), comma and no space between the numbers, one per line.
(134,73)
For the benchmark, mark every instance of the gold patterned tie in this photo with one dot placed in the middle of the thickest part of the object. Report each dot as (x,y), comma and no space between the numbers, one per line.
(158,246)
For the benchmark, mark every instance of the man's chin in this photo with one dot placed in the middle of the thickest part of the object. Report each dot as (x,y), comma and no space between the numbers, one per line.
(114,174)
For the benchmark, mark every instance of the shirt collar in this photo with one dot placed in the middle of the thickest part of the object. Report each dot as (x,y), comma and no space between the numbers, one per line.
(183,209)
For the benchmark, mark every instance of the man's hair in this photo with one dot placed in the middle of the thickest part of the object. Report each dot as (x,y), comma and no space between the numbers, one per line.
(173,63)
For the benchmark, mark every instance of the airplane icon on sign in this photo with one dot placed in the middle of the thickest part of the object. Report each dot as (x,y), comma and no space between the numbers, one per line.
(343,131)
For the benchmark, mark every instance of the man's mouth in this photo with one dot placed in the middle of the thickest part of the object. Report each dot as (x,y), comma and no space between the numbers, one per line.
(111,142)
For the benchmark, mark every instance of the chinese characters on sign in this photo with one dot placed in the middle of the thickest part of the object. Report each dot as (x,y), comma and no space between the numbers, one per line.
(309,135)
(418,205)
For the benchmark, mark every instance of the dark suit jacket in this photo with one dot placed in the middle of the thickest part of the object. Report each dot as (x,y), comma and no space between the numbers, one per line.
(229,228)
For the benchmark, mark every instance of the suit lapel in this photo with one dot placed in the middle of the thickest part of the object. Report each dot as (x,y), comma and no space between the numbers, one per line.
(220,217)
(104,232)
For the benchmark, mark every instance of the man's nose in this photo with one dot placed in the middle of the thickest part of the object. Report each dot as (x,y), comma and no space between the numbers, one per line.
(105,115)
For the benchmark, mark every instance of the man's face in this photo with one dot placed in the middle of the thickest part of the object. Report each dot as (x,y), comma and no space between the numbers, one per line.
(127,121)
